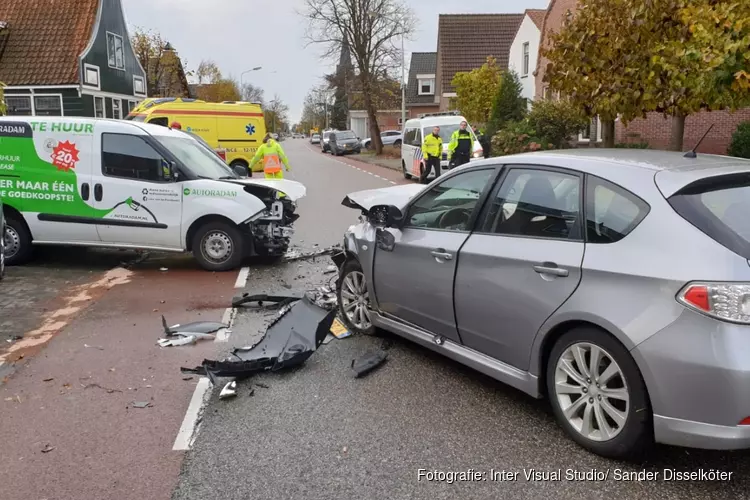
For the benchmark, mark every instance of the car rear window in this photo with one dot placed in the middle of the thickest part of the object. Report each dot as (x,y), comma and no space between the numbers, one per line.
(720,207)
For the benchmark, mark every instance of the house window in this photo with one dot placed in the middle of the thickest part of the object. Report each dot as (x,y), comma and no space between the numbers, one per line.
(131,105)
(91,75)
(426,86)
(525,71)
(592,132)
(117,109)
(18,105)
(545,91)
(99,107)
(139,85)
(115,55)
(48,105)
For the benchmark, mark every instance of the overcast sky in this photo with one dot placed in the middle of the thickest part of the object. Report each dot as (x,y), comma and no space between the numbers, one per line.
(239,35)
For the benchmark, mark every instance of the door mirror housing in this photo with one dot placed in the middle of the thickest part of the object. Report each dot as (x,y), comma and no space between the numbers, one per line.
(385,216)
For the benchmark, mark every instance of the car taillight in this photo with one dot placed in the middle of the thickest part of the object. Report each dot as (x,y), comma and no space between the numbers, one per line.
(724,301)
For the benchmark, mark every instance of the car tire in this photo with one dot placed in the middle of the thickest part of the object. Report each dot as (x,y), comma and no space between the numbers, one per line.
(218,246)
(634,436)
(352,283)
(368,145)
(397,144)
(2,252)
(407,175)
(19,241)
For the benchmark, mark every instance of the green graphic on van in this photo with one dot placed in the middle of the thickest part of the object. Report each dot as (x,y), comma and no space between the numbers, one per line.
(212,193)
(186,191)
(39,186)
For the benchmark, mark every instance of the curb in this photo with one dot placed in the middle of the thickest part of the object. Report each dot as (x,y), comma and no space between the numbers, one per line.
(379,164)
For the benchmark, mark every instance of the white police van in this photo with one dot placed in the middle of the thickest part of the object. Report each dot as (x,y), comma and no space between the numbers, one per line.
(412,162)
(123,184)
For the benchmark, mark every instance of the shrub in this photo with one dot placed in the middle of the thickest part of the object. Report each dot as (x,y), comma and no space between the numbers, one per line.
(740,145)
(508,105)
(557,121)
(517,137)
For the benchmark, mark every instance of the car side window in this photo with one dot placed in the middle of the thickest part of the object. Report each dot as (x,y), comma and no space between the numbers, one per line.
(131,157)
(611,211)
(535,203)
(450,204)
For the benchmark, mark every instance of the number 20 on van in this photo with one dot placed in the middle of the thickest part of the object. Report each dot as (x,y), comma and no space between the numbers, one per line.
(65,156)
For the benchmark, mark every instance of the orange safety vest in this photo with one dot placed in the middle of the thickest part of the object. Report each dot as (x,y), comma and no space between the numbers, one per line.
(271,164)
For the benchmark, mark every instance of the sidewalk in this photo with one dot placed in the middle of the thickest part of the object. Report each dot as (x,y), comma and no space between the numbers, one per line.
(392,163)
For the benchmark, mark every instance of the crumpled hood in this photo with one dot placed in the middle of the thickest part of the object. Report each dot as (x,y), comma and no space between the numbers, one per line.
(293,189)
(397,196)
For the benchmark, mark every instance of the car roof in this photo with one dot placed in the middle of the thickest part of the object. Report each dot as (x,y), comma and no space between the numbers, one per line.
(633,168)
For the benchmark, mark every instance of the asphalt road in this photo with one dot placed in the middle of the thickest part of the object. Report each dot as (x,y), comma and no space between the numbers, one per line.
(318,433)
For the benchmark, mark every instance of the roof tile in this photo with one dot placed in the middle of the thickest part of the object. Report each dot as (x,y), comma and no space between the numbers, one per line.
(43,40)
(466,40)
(537,15)
(422,63)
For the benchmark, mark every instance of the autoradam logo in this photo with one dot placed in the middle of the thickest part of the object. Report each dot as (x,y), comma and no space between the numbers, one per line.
(65,156)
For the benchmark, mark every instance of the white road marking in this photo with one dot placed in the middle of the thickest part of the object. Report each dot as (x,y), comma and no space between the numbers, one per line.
(189,428)
(228,319)
(242,278)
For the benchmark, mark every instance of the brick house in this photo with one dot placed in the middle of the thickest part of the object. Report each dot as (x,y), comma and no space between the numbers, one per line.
(387,102)
(420,88)
(654,129)
(464,43)
(525,49)
(68,58)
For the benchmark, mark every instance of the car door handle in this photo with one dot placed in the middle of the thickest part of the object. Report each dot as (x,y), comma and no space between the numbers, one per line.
(85,191)
(551,268)
(441,254)
(98,192)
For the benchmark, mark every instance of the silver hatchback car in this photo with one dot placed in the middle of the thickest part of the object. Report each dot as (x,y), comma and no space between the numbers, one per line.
(616,283)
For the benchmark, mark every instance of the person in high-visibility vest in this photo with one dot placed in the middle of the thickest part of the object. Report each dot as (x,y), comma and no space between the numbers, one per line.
(273,156)
(432,150)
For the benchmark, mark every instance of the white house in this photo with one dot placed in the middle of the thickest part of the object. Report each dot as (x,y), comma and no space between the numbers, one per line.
(525,49)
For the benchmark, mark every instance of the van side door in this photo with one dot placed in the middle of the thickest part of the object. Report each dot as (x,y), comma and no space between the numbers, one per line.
(140,202)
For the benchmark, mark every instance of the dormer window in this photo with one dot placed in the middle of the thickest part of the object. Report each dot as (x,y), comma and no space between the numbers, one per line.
(426,84)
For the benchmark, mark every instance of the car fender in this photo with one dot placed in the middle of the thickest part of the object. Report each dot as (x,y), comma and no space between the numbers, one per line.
(359,244)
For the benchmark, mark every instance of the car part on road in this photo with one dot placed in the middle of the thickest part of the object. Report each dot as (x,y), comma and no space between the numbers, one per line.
(265,300)
(291,257)
(339,330)
(141,404)
(229,390)
(291,338)
(195,327)
(185,339)
(367,363)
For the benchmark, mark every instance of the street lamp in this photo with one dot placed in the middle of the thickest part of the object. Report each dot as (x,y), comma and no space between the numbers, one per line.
(242,83)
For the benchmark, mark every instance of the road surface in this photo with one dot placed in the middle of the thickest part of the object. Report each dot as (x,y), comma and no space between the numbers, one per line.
(71,429)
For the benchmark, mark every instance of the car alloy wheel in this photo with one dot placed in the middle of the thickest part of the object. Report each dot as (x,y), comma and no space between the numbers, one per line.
(592,391)
(217,247)
(355,300)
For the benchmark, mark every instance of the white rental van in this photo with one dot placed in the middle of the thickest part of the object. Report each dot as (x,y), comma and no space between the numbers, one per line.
(124,184)
(412,163)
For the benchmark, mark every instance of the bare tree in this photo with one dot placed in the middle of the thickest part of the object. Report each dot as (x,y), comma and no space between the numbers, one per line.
(371,29)
(208,72)
(276,114)
(253,93)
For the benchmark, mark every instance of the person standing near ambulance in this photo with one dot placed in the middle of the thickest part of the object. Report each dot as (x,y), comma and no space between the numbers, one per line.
(459,149)
(273,156)
(432,150)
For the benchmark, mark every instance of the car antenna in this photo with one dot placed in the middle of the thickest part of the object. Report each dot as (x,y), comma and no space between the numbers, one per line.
(691,153)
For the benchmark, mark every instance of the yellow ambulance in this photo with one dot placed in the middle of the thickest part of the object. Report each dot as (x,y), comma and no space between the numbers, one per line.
(236,127)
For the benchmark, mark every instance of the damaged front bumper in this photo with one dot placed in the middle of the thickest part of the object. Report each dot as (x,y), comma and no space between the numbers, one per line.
(292,337)
(271,231)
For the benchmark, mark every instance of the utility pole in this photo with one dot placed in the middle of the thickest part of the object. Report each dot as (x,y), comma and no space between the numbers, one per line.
(403,84)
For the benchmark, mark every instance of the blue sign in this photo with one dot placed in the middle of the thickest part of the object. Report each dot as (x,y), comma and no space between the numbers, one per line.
(250,129)
(190,129)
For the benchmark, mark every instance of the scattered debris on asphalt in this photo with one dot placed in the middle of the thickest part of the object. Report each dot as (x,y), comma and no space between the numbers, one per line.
(48,379)
(229,390)
(194,327)
(263,386)
(339,330)
(330,269)
(185,339)
(264,300)
(93,347)
(367,363)
(47,448)
(109,391)
(252,392)
(141,257)
(187,378)
(328,339)
(13,338)
(295,255)
(141,404)
(291,338)
(324,298)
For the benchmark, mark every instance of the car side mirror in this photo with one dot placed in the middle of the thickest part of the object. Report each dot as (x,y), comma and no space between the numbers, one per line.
(240,170)
(385,216)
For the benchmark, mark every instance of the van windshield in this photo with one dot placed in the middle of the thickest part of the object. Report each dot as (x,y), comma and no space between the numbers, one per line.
(200,160)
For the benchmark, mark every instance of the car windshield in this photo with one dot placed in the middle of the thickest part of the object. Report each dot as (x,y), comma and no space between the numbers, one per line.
(347,134)
(326,134)
(197,158)
(719,208)
(446,131)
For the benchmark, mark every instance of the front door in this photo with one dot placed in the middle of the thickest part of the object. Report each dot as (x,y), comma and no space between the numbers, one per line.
(142,205)
(521,264)
(414,281)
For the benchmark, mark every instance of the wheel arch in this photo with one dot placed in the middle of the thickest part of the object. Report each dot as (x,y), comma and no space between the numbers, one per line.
(197,223)
(11,212)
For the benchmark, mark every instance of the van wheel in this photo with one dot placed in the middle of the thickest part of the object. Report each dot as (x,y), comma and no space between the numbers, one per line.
(218,246)
(17,242)
(598,395)
(407,175)
(353,299)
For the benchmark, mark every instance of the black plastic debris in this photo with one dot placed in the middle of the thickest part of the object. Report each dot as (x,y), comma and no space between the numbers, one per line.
(291,338)
(265,300)
(294,256)
(368,363)
(195,327)
(338,259)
